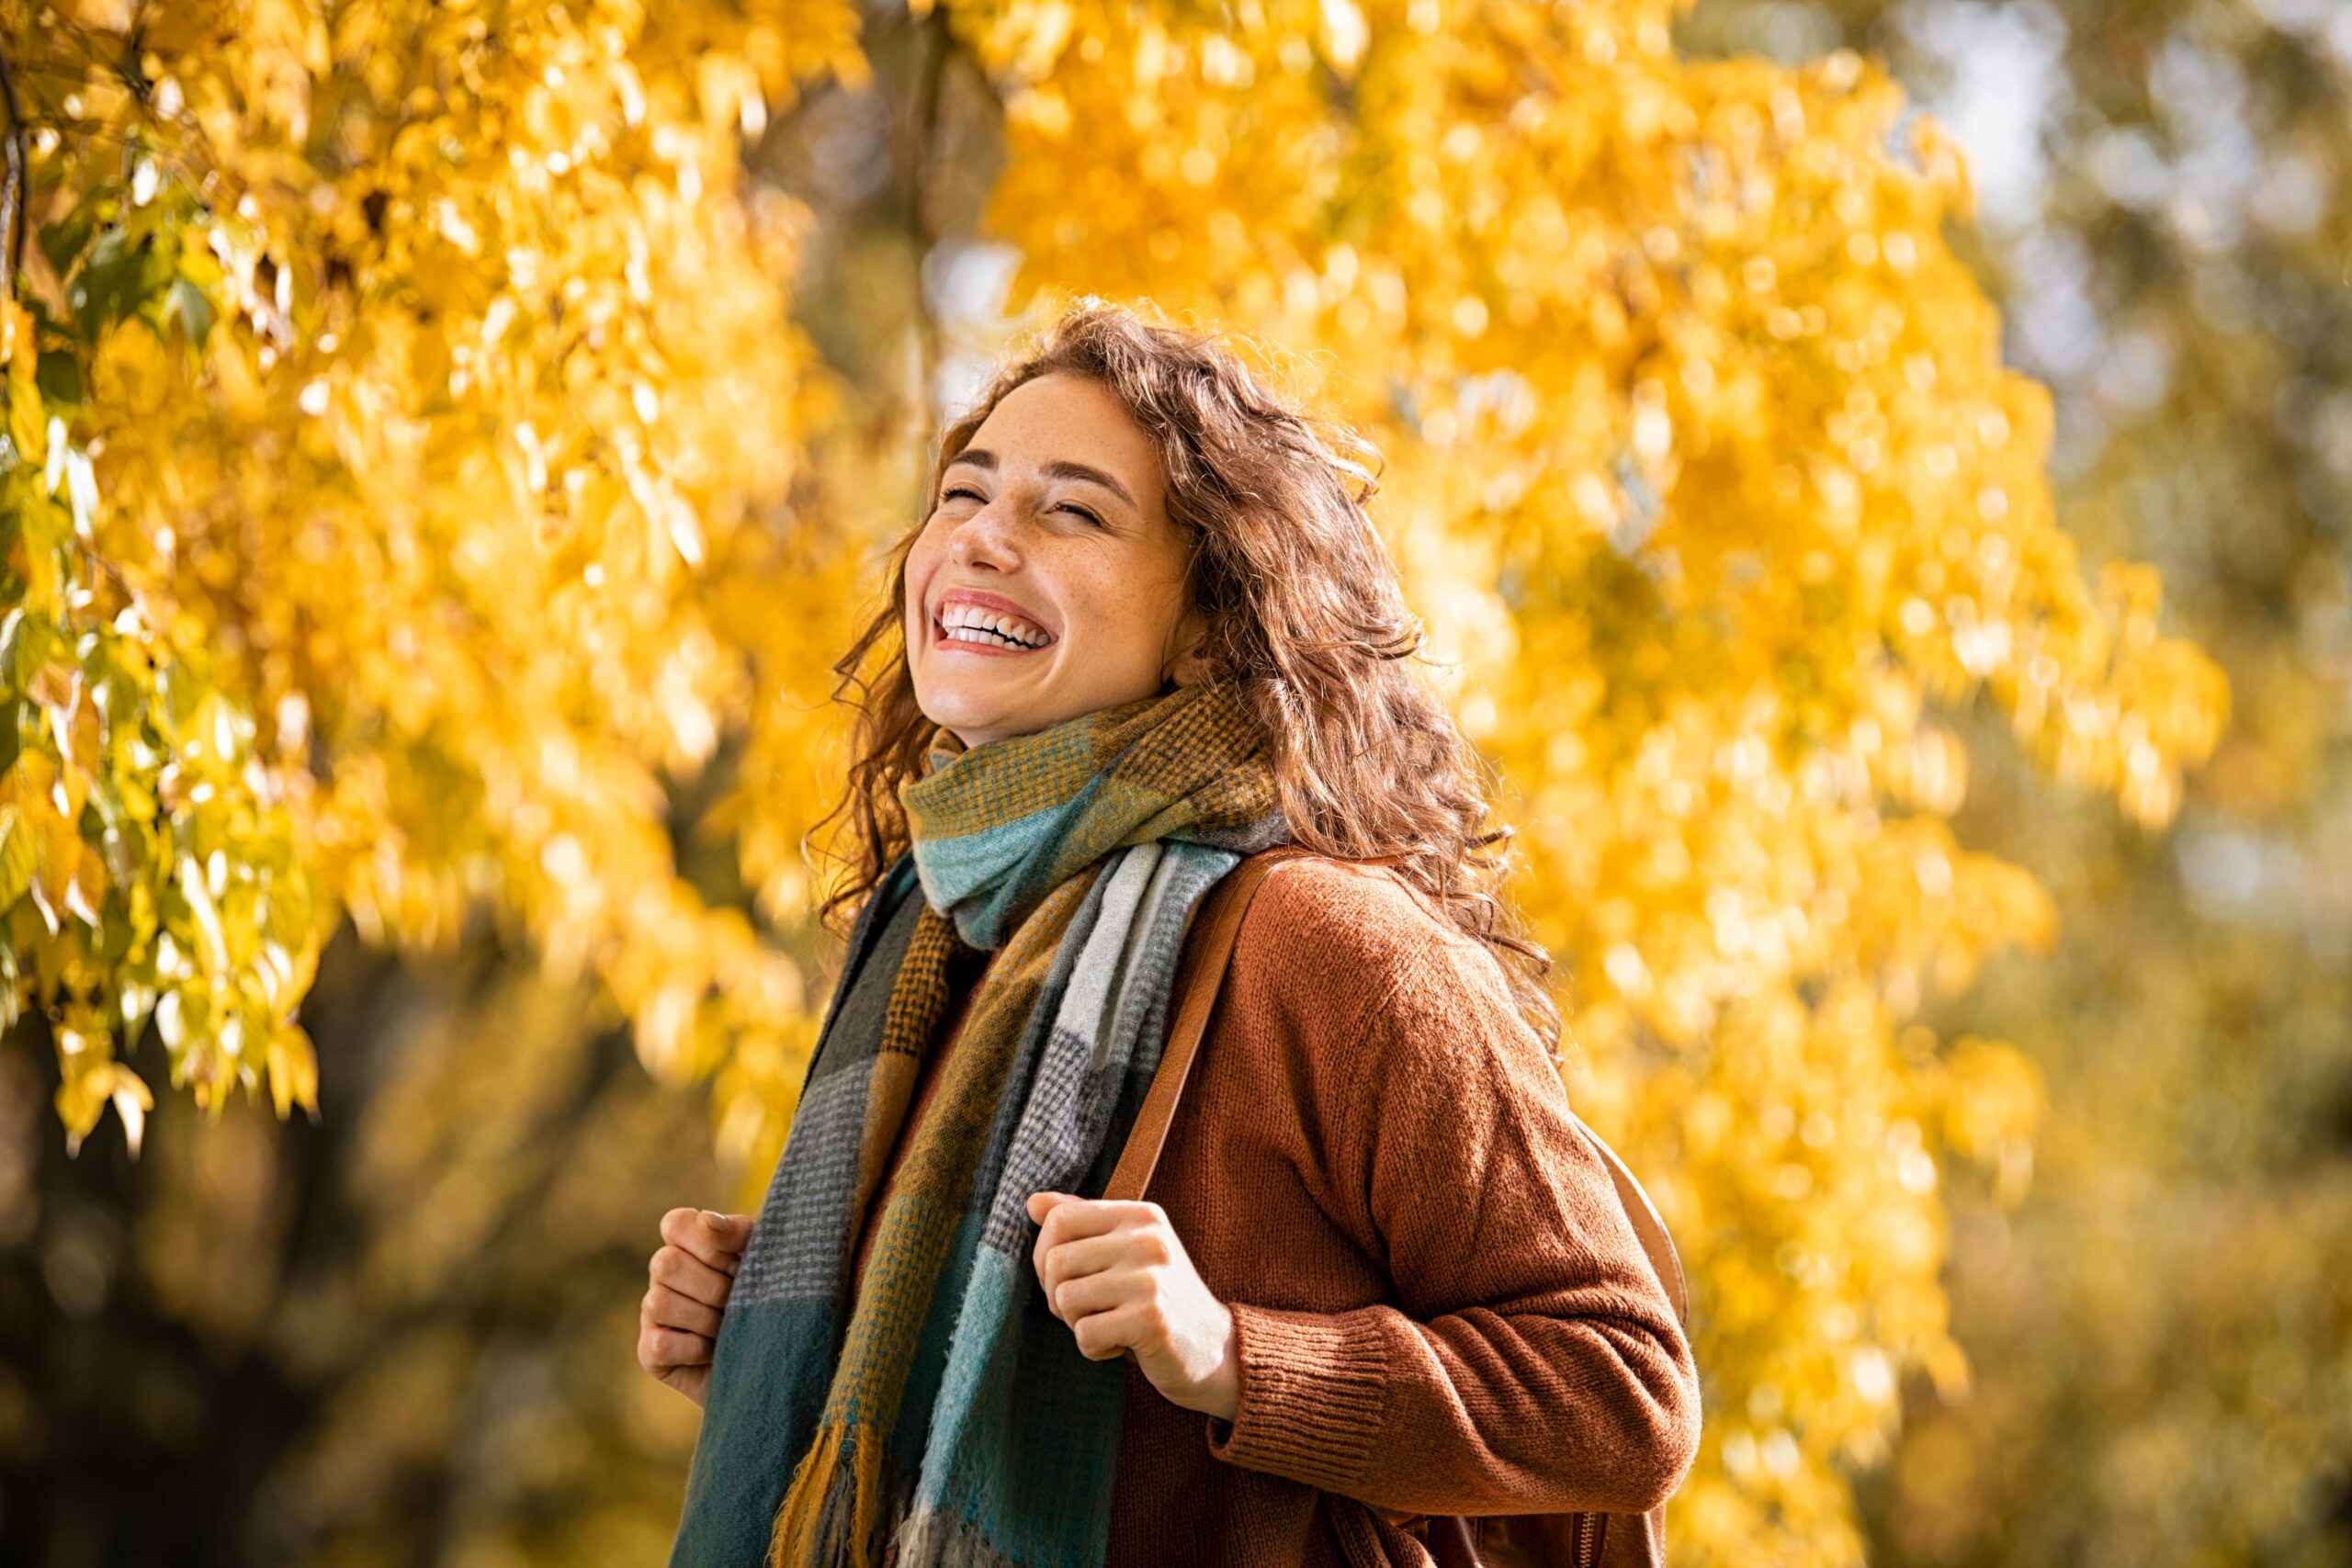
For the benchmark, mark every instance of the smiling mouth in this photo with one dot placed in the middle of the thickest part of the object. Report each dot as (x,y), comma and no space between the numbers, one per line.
(977,630)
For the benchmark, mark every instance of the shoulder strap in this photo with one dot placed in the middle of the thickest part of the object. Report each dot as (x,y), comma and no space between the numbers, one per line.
(1217,924)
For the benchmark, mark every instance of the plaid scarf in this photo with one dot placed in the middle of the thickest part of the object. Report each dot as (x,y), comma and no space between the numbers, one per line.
(950,1418)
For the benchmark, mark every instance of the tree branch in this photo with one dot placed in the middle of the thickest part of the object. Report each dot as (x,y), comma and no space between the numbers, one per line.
(936,41)
(16,191)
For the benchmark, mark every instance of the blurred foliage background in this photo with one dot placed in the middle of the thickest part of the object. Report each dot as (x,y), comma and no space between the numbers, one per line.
(2162,1332)
(447,444)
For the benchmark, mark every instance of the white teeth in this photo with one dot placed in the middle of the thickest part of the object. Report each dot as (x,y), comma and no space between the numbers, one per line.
(974,634)
(969,623)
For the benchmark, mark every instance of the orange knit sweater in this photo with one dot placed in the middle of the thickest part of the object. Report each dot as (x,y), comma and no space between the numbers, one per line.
(1438,1303)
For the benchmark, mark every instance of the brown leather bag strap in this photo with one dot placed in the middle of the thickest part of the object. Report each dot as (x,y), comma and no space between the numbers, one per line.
(1217,921)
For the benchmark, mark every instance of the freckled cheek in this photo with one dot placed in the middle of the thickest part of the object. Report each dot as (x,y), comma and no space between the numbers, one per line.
(1115,617)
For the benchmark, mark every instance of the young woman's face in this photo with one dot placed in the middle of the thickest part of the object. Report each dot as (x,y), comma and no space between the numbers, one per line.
(1049,581)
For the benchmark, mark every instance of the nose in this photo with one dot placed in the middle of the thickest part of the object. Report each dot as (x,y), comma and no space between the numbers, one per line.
(989,536)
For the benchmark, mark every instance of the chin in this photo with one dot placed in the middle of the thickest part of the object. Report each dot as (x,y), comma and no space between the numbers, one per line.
(970,718)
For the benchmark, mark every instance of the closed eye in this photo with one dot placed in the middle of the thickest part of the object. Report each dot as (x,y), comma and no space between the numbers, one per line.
(1065,506)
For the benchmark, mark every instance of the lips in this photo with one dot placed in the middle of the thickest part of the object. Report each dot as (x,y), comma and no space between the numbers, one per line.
(1033,630)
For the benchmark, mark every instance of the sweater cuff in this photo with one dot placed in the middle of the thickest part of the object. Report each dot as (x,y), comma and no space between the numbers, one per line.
(1313,1387)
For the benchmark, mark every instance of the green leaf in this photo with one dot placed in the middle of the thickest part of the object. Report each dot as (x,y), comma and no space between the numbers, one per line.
(111,285)
(112,937)
(63,242)
(17,856)
(187,303)
(47,528)
(12,634)
(61,380)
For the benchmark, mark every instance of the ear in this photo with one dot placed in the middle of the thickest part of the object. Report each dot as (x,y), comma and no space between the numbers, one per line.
(1188,664)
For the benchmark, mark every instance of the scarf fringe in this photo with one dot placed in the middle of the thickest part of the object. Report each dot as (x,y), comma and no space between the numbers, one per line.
(832,1514)
(933,1538)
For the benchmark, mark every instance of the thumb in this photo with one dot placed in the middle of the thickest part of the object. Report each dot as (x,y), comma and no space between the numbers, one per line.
(1043,1201)
(734,1231)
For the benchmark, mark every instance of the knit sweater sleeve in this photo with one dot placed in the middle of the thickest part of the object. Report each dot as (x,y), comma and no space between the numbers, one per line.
(1531,1361)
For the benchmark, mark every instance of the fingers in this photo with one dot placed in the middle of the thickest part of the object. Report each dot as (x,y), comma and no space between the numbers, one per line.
(1132,1249)
(666,1308)
(1082,1236)
(717,1240)
(1074,1217)
(1103,1335)
(690,1276)
(658,1349)
(1062,1218)
(1072,1299)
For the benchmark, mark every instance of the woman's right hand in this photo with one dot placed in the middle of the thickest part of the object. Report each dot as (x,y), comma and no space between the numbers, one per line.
(677,1325)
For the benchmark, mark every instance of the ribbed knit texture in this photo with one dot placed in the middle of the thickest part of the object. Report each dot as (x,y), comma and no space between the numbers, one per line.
(1439,1304)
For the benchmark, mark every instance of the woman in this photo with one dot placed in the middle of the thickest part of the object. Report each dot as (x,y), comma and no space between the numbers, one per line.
(1145,630)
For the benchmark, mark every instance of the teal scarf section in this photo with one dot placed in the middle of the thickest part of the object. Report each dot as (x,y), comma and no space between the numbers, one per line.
(945,1416)
(998,826)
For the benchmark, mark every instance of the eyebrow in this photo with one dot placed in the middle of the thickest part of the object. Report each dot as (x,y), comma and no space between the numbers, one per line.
(1061,469)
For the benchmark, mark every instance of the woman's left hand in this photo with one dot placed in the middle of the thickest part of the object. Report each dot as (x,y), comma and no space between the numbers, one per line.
(1116,1274)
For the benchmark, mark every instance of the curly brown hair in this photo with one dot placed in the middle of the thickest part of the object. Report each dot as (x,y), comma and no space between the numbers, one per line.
(1302,601)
